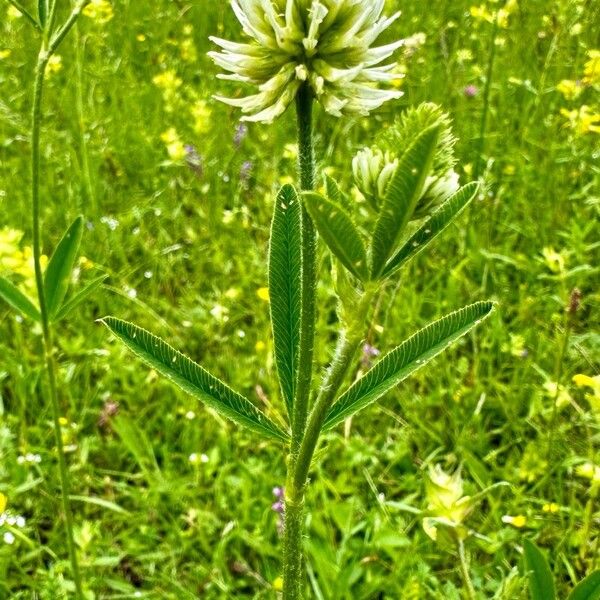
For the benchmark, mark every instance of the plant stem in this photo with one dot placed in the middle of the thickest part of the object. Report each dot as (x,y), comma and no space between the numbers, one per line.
(293,557)
(293,552)
(348,343)
(558,373)
(306,166)
(26,13)
(88,191)
(486,100)
(464,569)
(46,327)
(299,463)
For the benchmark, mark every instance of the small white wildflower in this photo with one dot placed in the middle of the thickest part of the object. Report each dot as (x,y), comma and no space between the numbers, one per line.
(8,537)
(326,44)
(197,459)
(29,458)
(148,274)
(111,222)
(20,521)
(190,415)
(219,312)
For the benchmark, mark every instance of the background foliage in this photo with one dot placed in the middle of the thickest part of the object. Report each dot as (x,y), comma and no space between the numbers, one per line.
(177,198)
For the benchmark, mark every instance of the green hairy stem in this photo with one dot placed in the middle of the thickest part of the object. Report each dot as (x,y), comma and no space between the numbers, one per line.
(48,47)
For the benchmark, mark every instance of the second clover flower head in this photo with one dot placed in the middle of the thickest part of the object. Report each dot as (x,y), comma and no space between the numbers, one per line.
(327,44)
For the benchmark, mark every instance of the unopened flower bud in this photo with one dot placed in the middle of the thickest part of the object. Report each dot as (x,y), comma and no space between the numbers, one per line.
(373,171)
(436,191)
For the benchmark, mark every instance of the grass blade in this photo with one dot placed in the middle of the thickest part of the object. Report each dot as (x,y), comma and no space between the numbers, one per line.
(285,288)
(541,582)
(79,297)
(588,588)
(18,300)
(339,233)
(60,267)
(438,221)
(402,195)
(192,378)
(407,358)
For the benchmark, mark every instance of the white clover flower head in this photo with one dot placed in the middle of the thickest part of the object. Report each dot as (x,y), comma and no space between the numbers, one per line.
(324,43)
(373,170)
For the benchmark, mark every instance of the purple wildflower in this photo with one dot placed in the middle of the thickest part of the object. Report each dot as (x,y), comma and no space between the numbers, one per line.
(245,172)
(471,91)
(194,160)
(241,131)
(368,353)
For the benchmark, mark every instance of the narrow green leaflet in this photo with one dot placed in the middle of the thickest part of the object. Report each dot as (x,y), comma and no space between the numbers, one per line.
(60,267)
(192,378)
(588,588)
(440,219)
(541,582)
(79,297)
(405,359)
(285,288)
(13,296)
(335,193)
(402,195)
(42,11)
(339,233)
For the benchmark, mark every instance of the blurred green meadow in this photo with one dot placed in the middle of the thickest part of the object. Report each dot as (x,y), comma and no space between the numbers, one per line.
(170,501)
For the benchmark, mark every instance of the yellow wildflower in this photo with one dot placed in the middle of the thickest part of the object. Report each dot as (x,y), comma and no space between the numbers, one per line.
(3,502)
(100,11)
(553,390)
(581,120)
(54,64)
(594,384)
(554,260)
(500,17)
(188,51)
(140,37)
(9,242)
(14,13)
(5,54)
(517,521)
(482,13)
(263,293)
(175,147)
(551,507)
(592,68)
(589,471)
(201,113)
(464,55)
(278,584)
(168,83)
(576,29)
(569,89)
(260,346)
(290,151)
